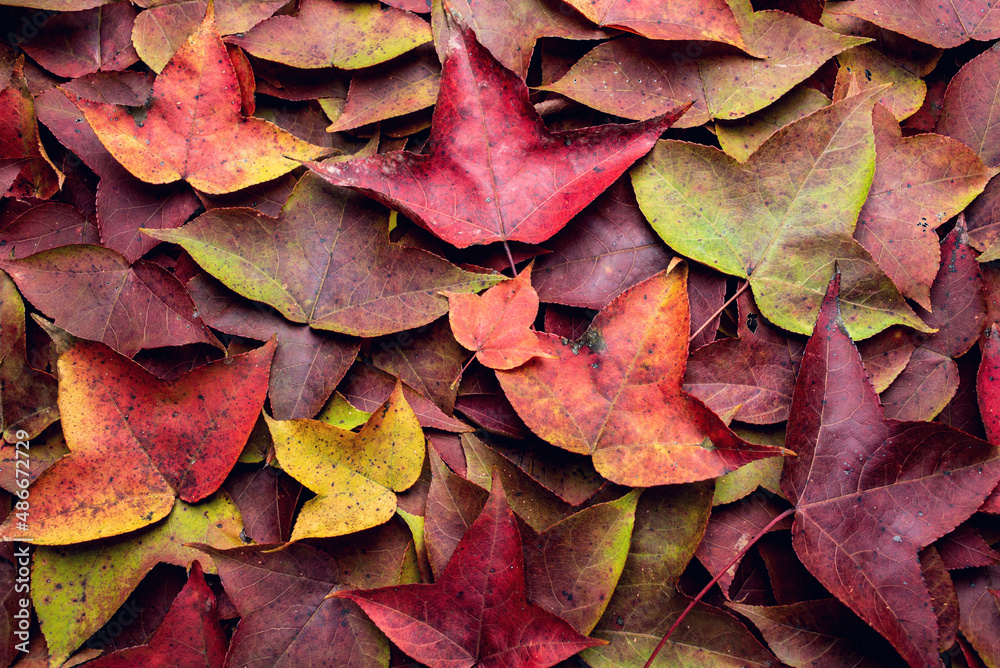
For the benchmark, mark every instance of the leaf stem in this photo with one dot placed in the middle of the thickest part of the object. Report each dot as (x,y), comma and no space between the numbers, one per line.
(701,594)
(462,371)
(722,308)
(510,257)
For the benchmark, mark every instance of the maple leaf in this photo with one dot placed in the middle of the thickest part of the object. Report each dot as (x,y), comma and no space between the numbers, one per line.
(781,219)
(927,178)
(180,439)
(477,613)
(355,475)
(77,588)
(128,307)
(124,203)
(497,324)
(871,492)
(282,593)
(307,364)
(494,171)
(332,33)
(572,566)
(669,523)
(616,394)
(190,634)
(335,271)
(192,129)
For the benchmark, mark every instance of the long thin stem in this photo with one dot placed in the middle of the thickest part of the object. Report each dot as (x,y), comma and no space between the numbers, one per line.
(722,308)
(454,383)
(510,257)
(701,594)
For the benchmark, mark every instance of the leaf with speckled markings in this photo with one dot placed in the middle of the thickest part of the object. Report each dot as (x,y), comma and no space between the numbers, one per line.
(94,293)
(497,324)
(190,634)
(920,182)
(77,588)
(722,84)
(355,475)
(287,618)
(753,374)
(783,218)
(180,439)
(193,129)
(943,24)
(930,378)
(616,394)
(27,396)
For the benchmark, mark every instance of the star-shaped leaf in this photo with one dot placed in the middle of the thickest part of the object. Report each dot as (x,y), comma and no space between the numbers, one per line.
(477,613)
(326,261)
(355,475)
(193,129)
(494,171)
(137,442)
(497,324)
(782,218)
(616,394)
(871,492)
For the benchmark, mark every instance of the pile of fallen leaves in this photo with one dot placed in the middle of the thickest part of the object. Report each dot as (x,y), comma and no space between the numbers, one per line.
(339,333)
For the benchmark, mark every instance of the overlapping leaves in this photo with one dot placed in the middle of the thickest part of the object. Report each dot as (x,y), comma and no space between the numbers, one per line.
(207,353)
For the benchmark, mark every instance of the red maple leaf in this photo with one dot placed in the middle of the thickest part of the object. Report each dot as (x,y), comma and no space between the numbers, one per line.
(477,613)
(494,172)
(871,492)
